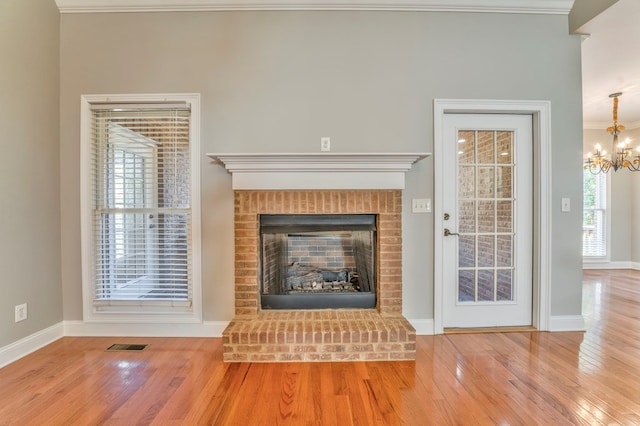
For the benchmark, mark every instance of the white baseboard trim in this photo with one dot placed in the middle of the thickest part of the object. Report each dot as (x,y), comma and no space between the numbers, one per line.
(424,327)
(635,265)
(23,347)
(204,329)
(29,344)
(567,323)
(610,265)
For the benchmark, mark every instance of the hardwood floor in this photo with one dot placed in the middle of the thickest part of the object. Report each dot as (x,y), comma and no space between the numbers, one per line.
(516,378)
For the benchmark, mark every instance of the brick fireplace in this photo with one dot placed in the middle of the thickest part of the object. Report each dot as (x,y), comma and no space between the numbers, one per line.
(387,205)
(257,335)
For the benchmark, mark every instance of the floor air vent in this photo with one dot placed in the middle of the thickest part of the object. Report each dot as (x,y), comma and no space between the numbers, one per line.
(127,347)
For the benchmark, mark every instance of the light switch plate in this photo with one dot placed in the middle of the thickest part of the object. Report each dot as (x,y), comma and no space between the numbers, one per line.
(421,205)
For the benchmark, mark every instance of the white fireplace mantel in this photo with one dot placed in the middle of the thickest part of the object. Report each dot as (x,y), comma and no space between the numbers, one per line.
(324,170)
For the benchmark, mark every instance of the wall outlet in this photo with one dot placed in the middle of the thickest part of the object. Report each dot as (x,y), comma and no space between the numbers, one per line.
(21,312)
(325,143)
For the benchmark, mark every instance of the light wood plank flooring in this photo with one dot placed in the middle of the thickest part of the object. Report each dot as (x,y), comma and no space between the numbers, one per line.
(516,378)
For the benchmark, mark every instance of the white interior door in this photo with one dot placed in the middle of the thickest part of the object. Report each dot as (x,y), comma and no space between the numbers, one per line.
(487,223)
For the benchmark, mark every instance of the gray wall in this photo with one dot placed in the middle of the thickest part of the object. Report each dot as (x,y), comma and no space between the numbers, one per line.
(622,198)
(634,194)
(278,81)
(29,167)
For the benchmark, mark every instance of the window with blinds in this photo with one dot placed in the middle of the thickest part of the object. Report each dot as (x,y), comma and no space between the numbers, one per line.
(594,229)
(141,220)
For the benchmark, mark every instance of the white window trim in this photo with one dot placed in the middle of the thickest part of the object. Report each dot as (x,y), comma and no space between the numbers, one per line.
(126,315)
(607,218)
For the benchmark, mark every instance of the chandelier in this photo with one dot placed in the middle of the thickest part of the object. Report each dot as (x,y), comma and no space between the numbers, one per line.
(622,154)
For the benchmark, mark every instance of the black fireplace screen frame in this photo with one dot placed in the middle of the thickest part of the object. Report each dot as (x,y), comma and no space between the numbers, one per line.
(363,234)
(291,223)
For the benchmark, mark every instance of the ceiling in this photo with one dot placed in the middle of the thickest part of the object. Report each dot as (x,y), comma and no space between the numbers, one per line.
(611,63)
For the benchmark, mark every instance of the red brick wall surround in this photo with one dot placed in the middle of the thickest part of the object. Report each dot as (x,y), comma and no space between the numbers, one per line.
(387,204)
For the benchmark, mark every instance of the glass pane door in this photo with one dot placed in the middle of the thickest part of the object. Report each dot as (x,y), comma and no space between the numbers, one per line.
(485,214)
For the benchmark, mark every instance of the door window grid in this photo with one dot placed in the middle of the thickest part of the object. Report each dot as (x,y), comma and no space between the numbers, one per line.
(485,216)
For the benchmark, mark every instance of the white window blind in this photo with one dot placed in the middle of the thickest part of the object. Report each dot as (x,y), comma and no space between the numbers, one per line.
(594,229)
(141,209)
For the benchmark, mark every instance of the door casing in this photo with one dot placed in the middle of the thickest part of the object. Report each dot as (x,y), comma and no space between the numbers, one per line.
(541,114)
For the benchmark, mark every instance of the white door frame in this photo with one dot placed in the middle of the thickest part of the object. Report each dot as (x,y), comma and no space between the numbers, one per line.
(541,113)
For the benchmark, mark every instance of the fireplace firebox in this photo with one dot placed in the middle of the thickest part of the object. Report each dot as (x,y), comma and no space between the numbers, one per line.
(318,261)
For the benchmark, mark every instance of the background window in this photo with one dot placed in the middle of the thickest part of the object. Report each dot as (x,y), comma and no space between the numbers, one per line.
(594,235)
(142,205)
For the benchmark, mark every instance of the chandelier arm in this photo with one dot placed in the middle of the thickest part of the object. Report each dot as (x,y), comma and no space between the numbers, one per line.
(634,166)
(621,156)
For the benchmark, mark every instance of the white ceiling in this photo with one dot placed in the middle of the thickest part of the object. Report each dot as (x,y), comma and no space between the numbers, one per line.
(611,63)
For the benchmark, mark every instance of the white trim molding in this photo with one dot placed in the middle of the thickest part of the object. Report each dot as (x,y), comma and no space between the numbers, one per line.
(541,113)
(567,323)
(203,329)
(605,264)
(424,327)
(23,347)
(549,7)
(324,170)
(134,314)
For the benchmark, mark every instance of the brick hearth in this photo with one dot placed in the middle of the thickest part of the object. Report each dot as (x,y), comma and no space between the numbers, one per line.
(318,335)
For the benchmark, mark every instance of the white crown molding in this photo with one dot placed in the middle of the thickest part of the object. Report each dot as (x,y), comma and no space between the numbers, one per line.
(555,7)
(324,170)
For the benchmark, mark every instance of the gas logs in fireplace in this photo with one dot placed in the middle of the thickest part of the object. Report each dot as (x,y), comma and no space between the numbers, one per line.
(318,261)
